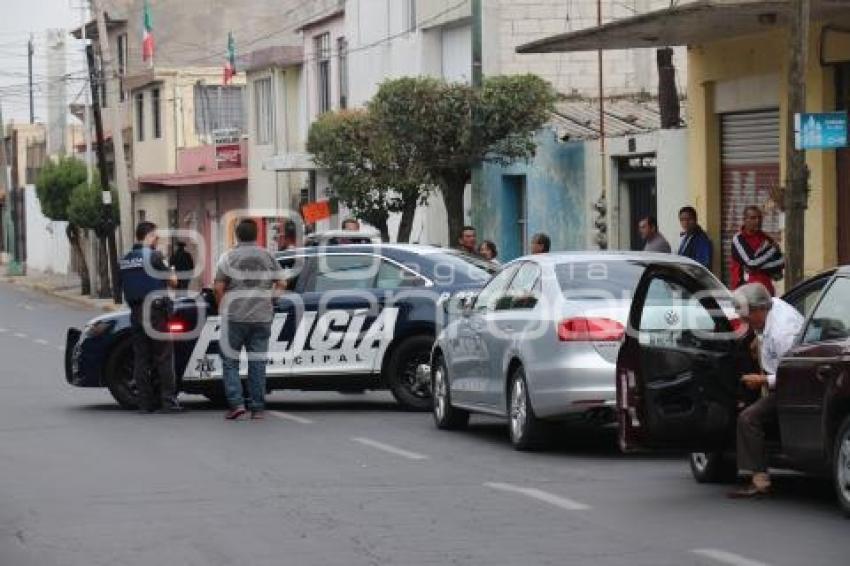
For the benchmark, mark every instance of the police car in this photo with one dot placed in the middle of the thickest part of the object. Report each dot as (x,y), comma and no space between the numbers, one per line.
(353,318)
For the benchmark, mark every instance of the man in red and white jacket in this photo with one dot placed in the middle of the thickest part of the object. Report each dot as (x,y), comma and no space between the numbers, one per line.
(756,258)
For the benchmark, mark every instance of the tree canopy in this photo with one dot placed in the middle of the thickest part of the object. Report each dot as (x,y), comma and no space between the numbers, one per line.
(56,182)
(85,207)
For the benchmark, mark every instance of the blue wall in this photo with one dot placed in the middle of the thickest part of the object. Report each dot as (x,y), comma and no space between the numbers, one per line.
(555,198)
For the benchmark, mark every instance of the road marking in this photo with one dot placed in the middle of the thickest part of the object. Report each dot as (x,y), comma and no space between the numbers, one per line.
(41,341)
(20,335)
(726,557)
(390,449)
(290,417)
(540,495)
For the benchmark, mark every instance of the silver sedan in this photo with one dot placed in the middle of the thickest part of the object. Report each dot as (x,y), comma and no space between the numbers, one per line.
(539,342)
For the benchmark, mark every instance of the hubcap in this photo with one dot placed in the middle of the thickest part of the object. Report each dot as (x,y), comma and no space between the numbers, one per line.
(519,409)
(440,400)
(700,460)
(844,468)
(411,375)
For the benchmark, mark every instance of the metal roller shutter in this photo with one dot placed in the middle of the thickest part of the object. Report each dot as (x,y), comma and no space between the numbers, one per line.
(749,168)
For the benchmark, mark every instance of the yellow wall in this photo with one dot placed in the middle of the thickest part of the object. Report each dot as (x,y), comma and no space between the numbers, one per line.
(751,56)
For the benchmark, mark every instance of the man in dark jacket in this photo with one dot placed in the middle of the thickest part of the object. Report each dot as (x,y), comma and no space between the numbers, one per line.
(145,278)
(183,264)
(695,243)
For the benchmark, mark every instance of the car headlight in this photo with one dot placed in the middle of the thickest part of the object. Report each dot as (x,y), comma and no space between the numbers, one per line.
(98,328)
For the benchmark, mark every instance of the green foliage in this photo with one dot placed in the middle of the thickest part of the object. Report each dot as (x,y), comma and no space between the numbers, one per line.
(371,172)
(85,207)
(55,184)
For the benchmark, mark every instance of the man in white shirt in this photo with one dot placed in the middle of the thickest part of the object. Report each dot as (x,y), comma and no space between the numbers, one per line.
(778,324)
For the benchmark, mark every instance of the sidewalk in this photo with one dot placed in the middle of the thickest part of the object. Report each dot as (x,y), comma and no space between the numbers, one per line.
(63,287)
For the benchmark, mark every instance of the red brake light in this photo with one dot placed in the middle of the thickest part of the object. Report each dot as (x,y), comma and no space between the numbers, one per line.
(176,326)
(590,330)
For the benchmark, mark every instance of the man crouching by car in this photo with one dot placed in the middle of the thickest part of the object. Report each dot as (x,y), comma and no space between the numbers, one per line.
(776,324)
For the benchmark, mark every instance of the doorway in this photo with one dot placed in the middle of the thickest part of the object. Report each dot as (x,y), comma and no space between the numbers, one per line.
(638,180)
(842,164)
(514,217)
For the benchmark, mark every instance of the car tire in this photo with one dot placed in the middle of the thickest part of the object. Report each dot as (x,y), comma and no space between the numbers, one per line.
(841,466)
(526,430)
(119,375)
(446,416)
(713,467)
(401,373)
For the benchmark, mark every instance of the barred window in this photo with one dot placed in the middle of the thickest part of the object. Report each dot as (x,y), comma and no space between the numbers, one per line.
(219,108)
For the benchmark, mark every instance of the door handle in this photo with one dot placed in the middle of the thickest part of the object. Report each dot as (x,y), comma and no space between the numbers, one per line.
(824,372)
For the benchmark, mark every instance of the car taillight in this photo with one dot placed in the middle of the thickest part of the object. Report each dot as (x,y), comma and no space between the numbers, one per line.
(176,326)
(585,329)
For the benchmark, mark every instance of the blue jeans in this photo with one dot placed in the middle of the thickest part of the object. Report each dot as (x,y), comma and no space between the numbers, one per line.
(254,337)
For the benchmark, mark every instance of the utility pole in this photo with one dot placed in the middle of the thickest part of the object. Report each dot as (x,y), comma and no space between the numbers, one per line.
(797,173)
(84,13)
(30,51)
(477,44)
(118,152)
(602,204)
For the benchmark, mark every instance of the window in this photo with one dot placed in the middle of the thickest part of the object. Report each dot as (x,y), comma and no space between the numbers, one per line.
(140,116)
(156,113)
(342,53)
(323,71)
(805,297)
(337,272)
(391,276)
(673,316)
(122,64)
(831,319)
(601,280)
(263,111)
(495,289)
(219,108)
(409,15)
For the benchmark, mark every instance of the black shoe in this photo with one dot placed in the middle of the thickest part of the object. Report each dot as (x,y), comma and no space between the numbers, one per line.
(751,492)
(171,410)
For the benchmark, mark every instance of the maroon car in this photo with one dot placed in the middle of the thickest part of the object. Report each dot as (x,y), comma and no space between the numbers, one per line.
(679,388)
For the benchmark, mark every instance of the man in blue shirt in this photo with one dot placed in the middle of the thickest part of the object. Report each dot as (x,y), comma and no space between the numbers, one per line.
(143,273)
(695,243)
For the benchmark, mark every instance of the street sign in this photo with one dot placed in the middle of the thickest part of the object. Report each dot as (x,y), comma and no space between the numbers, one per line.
(824,130)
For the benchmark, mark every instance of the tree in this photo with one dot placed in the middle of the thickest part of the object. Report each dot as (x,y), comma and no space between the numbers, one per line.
(85,210)
(451,128)
(372,173)
(54,186)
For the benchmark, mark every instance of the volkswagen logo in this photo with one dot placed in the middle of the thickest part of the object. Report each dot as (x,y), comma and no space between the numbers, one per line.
(671,318)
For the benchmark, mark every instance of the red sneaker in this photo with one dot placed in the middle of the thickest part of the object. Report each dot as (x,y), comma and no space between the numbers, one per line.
(235,414)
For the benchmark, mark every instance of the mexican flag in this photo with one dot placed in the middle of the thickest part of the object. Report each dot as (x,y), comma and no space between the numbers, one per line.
(147,34)
(230,62)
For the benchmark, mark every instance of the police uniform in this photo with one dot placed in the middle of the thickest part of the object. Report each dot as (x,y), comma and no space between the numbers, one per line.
(148,353)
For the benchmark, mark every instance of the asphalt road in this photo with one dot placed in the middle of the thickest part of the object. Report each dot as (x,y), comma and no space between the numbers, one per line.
(341,480)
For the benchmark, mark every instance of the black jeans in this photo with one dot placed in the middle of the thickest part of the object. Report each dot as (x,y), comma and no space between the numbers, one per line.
(151,355)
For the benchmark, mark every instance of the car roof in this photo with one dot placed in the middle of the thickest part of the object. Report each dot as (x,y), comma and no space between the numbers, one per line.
(418,249)
(554,258)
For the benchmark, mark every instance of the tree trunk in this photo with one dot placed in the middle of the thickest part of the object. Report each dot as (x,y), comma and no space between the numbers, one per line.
(104,291)
(408,212)
(668,98)
(452,190)
(73,233)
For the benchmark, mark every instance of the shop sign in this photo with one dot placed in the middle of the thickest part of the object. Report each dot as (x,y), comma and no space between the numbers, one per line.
(825,130)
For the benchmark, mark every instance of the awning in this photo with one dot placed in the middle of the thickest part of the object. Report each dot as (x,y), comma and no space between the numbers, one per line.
(693,23)
(292,161)
(189,179)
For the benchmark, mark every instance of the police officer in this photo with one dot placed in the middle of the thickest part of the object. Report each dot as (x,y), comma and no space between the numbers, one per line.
(144,272)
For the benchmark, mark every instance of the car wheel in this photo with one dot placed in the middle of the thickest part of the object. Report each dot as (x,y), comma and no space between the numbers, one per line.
(119,375)
(446,417)
(527,431)
(713,467)
(402,373)
(841,466)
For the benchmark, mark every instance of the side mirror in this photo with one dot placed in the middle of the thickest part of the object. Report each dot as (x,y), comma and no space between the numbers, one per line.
(209,298)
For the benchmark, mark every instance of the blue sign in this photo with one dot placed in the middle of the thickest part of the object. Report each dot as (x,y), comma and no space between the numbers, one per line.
(826,130)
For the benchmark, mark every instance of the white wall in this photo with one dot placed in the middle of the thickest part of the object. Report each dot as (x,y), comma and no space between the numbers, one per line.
(47,244)
(671,151)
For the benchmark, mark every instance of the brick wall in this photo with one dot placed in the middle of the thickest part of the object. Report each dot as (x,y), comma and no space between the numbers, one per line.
(626,71)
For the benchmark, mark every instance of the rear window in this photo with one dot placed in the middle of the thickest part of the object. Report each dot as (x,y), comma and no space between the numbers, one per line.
(598,279)
(453,267)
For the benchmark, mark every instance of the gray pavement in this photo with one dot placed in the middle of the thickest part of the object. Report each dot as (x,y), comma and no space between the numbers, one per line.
(330,479)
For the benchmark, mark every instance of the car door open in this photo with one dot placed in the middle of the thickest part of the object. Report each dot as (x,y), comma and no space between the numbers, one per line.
(678,368)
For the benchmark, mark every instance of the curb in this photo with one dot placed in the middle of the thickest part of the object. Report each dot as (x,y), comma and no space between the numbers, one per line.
(73,298)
